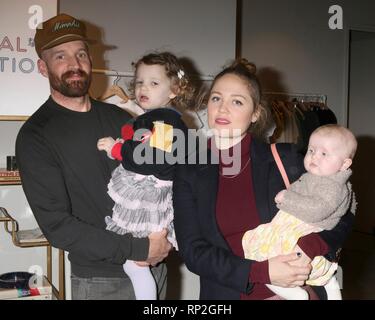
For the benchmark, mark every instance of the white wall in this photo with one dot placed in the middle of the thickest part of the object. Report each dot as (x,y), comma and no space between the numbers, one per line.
(201,31)
(19,78)
(295,50)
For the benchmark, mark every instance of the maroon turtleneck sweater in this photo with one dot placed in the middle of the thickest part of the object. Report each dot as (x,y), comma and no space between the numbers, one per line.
(236,213)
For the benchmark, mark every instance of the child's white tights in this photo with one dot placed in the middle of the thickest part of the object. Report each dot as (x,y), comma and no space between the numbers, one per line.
(143,282)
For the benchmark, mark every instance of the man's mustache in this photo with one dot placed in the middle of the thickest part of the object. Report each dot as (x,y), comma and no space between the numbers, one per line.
(71,73)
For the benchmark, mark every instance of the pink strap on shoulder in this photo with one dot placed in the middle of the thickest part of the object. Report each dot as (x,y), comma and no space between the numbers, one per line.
(280,165)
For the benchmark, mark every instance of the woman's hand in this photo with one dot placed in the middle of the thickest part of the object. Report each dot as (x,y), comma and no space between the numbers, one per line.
(284,273)
(303,260)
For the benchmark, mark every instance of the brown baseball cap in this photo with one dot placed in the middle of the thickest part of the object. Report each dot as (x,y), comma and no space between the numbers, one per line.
(57,30)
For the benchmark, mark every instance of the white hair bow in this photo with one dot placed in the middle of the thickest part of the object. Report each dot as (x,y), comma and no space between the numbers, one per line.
(180,74)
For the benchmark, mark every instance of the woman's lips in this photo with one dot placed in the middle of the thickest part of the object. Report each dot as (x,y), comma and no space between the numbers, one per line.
(222,121)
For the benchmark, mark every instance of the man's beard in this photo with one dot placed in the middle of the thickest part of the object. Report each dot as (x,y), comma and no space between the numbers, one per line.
(73,88)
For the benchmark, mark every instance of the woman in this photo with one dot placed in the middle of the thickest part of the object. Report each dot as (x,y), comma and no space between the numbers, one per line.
(216,203)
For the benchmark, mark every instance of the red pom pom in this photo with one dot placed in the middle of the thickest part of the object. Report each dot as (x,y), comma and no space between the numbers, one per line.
(127,132)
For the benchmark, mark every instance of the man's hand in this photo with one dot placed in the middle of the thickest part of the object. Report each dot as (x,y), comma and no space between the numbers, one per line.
(159,247)
(141,263)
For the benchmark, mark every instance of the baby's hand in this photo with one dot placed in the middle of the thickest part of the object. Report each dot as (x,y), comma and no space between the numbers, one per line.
(280,196)
(106,144)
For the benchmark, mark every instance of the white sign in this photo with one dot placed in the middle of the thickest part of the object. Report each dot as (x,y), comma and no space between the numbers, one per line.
(23,89)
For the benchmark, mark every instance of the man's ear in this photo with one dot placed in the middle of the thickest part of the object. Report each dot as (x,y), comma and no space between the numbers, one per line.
(42,67)
(347,163)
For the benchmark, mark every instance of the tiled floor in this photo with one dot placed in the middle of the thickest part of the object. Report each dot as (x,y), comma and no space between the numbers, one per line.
(358,264)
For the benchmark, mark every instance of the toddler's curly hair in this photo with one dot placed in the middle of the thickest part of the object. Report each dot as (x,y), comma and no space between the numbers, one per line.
(181,85)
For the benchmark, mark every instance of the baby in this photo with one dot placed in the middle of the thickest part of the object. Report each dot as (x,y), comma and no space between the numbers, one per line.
(314,203)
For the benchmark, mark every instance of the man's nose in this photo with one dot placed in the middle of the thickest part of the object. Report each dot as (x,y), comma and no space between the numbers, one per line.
(74,62)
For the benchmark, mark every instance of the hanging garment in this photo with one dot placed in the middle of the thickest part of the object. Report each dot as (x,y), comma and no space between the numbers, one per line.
(129,106)
(197,120)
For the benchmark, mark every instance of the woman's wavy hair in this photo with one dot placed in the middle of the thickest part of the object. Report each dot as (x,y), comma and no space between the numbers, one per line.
(181,85)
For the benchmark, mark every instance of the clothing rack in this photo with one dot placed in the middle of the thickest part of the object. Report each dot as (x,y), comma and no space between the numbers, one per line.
(115,73)
(300,97)
(296,116)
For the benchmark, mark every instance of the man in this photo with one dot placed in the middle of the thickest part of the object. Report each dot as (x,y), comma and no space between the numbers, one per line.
(65,177)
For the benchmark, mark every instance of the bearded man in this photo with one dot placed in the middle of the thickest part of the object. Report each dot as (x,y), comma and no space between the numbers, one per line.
(65,177)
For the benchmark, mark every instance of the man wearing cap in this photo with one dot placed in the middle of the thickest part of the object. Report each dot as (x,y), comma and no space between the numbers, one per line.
(65,177)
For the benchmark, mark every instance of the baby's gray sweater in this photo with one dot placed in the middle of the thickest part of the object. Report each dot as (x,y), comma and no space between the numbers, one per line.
(320,201)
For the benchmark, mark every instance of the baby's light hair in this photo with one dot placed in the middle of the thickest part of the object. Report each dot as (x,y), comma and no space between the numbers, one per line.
(344,133)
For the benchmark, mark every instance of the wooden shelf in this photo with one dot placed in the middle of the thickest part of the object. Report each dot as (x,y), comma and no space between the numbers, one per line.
(10,182)
(4,218)
(8,178)
(18,239)
(22,238)
(14,118)
(42,285)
